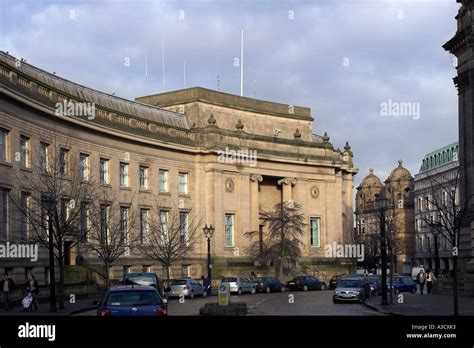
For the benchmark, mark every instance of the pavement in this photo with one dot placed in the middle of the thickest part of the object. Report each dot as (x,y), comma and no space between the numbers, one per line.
(421,305)
(79,306)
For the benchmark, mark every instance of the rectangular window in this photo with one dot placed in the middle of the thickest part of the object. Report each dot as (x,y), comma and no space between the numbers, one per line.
(25,159)
(104,223)
(163,180)
(229,230)
(144,225)
(183,183)
(314,232)
(85,220)
(64,161)
(84,166)
(183,228)
(4,213)
(143,178)
(185,270)
(164,227)
(25,215)
(124,174)
(124,216)
(104,171)
(4,146)
(44,157)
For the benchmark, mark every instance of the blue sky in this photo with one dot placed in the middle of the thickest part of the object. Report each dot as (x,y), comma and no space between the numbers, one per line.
(341,58)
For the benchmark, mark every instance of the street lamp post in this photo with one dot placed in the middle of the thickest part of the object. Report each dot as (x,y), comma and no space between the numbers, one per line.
(208,232)
(52,279)
(383,247)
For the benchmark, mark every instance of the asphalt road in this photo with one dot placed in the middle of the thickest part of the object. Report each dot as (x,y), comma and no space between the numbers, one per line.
(286,303)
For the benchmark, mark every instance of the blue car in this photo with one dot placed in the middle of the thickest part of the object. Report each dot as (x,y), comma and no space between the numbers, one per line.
(403,284)
(132,300)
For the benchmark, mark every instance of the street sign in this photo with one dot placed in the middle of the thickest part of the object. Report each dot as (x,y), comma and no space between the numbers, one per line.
(223,295)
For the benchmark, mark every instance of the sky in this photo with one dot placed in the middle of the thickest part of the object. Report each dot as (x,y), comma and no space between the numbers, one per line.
(353,62)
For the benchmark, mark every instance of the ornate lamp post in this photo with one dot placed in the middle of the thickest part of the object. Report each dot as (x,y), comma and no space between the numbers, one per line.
(50,204)
(382,202)
(208,232)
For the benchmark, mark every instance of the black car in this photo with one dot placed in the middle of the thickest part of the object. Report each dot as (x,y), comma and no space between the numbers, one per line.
(333,281)
(305,283)
(268,284)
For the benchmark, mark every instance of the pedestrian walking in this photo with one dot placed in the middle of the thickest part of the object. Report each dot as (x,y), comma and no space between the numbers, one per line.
(32,288)
(421,280)
(7,285)
(430,279)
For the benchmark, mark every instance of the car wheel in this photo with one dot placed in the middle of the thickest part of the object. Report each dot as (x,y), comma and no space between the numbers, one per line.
(397,291)
(253,291)
(204,293)
(305,288)
(191,295)
(282,289)
(323,286)
(334,301)
(268,290)
(413,291)
(239,291)
(362,299)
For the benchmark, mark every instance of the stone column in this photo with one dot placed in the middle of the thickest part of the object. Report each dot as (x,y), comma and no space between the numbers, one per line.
(254,205)
(286,186)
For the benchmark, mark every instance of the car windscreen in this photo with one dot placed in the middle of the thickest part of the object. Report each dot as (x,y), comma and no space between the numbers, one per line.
(133,298)
(139,280)
(348,283)
(229,280)
(178,282)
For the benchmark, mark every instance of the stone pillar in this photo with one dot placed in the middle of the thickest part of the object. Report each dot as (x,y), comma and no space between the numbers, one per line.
(254,204)
(286,186)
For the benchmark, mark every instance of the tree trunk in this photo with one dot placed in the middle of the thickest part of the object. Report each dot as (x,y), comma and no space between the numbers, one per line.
(168,272)
(455,286)
(61,283)
(107,275)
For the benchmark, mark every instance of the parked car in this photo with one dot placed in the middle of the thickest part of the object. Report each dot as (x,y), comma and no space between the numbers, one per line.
(351,289)
(146,278)
(186,287)
(375,284)
(333,281)
(239,285)
(268,284)
(305,283)
(132,300)
(402,284)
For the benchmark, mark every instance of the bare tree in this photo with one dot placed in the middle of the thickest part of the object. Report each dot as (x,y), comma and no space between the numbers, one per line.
(282,241)
(449,217)
(109,231)
(168,235)
(51,188)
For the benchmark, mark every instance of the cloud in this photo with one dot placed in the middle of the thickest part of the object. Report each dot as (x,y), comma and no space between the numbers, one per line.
(393,49)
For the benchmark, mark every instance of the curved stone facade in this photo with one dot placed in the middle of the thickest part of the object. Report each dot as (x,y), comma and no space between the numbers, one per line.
(190,134)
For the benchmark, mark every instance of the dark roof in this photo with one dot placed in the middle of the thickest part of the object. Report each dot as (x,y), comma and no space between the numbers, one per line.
(82,93)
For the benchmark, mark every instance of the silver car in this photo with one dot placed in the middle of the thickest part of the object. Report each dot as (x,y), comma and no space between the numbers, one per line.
(239,285)
(186,287)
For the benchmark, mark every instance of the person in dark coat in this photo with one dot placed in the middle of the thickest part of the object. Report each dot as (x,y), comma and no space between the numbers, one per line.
(7,285)
(32,288)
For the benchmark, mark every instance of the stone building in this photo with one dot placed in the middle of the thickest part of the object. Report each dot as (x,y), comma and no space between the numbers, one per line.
(397,192)
(219,156)
(437,177)
(461,46)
